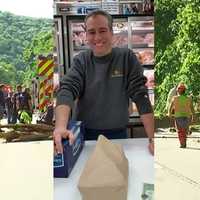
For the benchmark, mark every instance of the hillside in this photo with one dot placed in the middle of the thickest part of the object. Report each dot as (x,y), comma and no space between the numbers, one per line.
(17,34)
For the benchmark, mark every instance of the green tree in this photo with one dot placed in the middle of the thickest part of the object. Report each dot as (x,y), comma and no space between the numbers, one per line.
(7,73)
(181,59)
(16,35)
(42,43)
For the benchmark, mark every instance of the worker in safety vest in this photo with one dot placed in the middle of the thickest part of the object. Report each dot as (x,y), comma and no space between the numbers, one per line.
(183,111)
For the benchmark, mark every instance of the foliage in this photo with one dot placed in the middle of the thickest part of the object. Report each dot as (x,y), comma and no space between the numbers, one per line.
(179,59)
(7,73)
(42,43)
(16,36)
(165,12)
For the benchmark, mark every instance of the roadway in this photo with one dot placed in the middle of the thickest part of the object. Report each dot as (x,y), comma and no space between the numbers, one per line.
(177,171)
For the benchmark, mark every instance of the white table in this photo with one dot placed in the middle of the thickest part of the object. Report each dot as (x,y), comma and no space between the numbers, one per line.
(141,169)
(26,170)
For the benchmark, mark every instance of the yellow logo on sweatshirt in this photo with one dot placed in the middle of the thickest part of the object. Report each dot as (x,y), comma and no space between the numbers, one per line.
(117,73)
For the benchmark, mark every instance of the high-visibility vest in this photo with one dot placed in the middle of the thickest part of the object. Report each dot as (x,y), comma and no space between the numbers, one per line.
(182,106)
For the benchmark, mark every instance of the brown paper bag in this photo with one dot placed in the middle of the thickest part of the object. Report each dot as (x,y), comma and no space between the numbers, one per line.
(105,176)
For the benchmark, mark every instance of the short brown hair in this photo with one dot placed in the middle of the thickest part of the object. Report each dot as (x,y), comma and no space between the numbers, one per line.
(19,86)
(2,85)
(103,13)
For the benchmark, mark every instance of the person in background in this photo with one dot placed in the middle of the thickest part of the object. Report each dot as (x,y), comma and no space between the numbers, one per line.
(24,107)
(2,101)
(17,97)
(103,79)
(48,116)
(182,106)
(27,102)
(9,107)
(171,94)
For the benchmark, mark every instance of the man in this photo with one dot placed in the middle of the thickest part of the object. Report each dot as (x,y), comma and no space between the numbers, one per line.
(2,101)
(27,102)
(9,107)
(17,100)
(172,93)
(182,107)
(102,79)
(48,116)
(24,106)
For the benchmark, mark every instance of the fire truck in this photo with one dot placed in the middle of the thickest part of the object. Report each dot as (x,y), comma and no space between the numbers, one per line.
(45,83)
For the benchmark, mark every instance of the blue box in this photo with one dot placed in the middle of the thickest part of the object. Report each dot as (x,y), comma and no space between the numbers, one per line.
(64,163)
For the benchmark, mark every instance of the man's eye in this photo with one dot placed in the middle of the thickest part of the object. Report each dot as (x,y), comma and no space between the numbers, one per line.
(91,33)
(103,31)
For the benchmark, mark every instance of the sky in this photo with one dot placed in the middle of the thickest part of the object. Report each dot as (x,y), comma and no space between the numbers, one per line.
(31,8)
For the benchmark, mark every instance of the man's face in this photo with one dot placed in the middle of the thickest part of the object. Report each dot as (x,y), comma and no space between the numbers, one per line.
(99,35)
(19,89)
(1,88)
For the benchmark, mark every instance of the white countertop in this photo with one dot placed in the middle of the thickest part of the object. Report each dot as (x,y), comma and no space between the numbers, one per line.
(141,170)
(26,171)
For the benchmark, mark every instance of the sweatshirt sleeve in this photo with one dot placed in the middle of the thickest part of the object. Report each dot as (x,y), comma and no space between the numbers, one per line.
(137,90)
(72,84)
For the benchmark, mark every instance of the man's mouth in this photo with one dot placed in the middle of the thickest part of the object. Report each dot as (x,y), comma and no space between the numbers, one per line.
(99,44)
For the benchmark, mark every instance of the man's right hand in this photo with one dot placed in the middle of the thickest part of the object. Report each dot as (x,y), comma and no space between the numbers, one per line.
(58,134)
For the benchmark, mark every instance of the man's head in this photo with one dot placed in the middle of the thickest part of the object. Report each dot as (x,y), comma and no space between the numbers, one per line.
(181,88)
(99,32)
(27,90)
(19,88)
(1,87)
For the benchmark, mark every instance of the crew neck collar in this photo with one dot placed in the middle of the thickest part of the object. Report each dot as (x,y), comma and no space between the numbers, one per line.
(103,59)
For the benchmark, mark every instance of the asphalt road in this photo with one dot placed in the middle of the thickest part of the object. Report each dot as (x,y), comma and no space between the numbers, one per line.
(177,171)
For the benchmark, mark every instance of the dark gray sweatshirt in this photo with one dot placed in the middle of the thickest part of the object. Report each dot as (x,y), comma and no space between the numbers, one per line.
(103,86)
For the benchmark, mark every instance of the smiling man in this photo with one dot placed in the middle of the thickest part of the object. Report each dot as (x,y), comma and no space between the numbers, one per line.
(99,34)
(102,79)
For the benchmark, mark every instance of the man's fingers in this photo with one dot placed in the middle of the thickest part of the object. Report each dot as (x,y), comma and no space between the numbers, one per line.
(58,144)
(69,135)
(151,148)
(58,140)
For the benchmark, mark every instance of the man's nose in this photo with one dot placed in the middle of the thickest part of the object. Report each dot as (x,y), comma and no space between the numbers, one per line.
(97,36)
